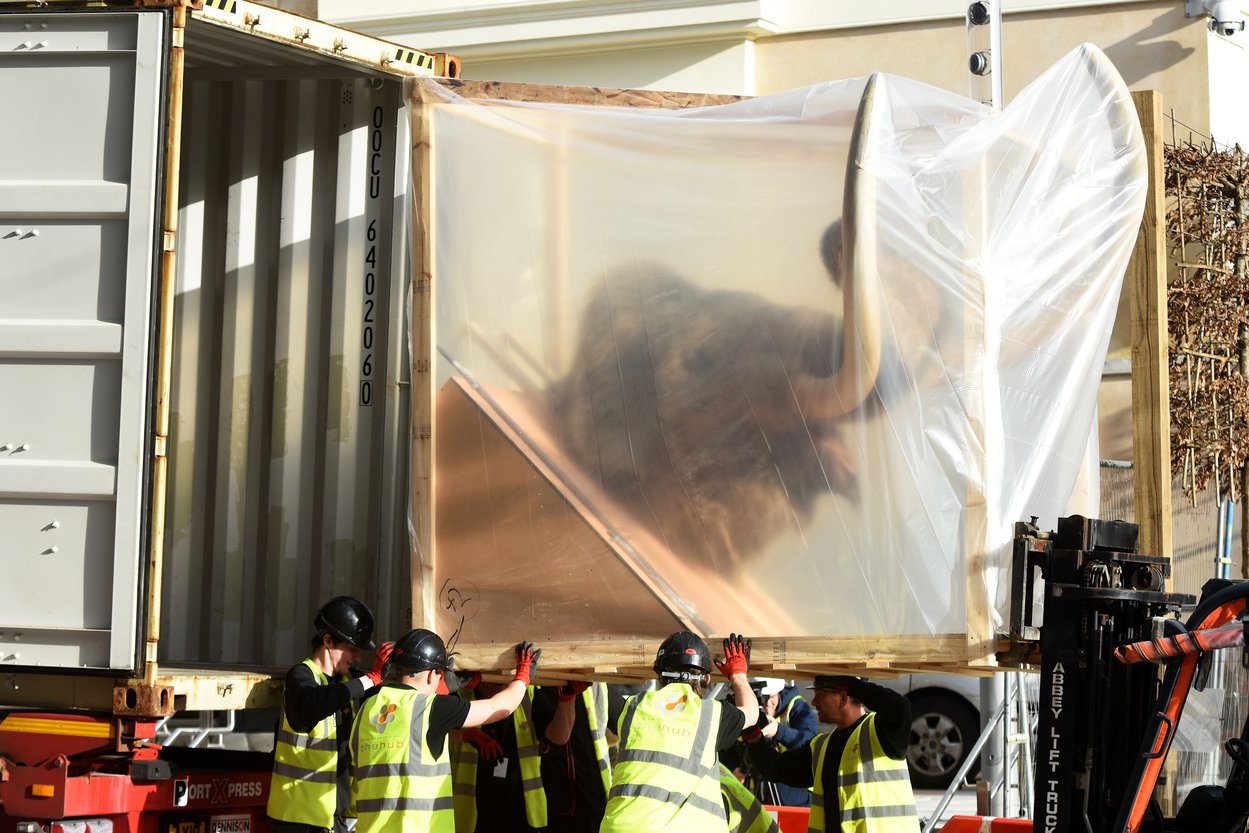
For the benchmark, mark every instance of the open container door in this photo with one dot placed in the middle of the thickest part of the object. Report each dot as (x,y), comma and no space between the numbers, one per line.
(82,103)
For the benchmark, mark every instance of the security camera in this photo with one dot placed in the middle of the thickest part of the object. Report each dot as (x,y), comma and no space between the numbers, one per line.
(1226,17)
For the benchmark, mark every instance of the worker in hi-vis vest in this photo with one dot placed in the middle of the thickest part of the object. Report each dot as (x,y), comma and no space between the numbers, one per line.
(311,786)
(792,724)
(666,775)
(858,771)
(547,768)
(399,741)
(574,720)
(496,771)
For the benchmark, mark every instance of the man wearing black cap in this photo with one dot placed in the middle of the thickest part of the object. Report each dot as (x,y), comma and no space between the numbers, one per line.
(857,772)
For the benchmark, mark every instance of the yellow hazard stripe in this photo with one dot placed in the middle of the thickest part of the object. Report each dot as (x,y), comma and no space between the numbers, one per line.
(42,726)
(409,56)
(227,6)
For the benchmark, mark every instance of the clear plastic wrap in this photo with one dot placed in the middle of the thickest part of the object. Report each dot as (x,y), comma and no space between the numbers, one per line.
(792,365)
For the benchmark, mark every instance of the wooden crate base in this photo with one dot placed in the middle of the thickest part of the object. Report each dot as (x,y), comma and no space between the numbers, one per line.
(788,657)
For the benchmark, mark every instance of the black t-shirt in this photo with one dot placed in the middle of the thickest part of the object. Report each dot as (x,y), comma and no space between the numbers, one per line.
(732,722)
(449,714)
(570,774)
(306,703)
(893,727)
(500,787)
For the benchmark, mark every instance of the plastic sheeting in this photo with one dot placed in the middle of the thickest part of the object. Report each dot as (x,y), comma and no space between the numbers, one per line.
(793,365)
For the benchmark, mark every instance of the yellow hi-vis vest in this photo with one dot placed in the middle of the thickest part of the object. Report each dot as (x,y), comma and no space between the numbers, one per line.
(530,754)
(785,718)
(464,758)
(745,811)
(304,789)
(666,776)
(873,790)
(400,786)
(596,714)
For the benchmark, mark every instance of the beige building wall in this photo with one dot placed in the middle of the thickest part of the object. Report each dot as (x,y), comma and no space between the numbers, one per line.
(721,68)
(1152,44)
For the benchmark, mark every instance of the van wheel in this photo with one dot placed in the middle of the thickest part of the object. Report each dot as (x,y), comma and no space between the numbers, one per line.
(943,731)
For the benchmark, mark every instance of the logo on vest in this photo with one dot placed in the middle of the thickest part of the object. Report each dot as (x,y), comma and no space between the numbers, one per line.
(383,719)
(677,705)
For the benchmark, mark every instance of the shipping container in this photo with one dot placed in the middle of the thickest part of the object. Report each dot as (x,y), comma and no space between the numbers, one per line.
(204,217)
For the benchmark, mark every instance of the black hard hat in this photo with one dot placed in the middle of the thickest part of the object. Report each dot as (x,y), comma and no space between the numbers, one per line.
(681,654)
(420,650)
(348,620)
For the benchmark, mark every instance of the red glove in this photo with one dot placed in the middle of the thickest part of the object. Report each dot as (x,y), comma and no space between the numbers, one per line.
(470,682)
(486,745)
(526,660)
(569,691)
(736,656)
(379,662)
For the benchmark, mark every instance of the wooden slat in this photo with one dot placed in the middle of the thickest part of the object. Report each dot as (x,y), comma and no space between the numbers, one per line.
(597,96)
(423,392)
(788,657)
(1147,289)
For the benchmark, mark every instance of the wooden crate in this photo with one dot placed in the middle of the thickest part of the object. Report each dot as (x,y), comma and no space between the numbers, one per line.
(631,608)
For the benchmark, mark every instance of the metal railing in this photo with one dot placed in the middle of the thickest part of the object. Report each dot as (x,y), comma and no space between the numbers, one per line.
(1019,759)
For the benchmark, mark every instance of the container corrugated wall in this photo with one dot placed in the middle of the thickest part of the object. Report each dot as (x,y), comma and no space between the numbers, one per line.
(288,440)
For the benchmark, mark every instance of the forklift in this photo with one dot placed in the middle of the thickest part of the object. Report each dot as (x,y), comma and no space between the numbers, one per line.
(1095,616)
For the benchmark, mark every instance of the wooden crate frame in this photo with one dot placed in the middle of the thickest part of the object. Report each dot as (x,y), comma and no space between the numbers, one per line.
(975,652)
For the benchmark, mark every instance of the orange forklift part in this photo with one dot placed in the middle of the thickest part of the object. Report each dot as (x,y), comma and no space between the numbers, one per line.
(1221,608)
(1183,644)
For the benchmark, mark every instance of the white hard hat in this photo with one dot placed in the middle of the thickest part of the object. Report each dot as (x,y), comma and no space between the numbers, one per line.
(771,685)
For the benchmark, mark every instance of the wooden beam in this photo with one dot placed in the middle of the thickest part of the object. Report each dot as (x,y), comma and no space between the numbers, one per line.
(598,96)
(1147,290)
(788,656)
(423,341)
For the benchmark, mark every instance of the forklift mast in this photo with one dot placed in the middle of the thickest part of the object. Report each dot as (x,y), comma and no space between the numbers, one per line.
(1080,593)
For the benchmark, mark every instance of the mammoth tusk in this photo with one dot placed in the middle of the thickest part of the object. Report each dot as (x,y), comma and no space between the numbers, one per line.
(861,337)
